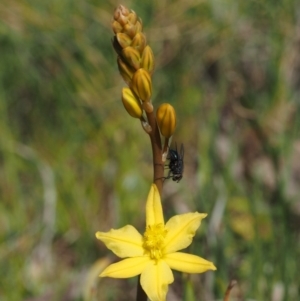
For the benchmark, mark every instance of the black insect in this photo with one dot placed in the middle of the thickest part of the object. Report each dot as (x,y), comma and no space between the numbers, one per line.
(176,164)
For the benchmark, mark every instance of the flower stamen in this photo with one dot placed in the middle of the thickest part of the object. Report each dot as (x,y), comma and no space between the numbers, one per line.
(154,237)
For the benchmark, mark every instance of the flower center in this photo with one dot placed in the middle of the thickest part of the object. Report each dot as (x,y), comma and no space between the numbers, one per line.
(154,240)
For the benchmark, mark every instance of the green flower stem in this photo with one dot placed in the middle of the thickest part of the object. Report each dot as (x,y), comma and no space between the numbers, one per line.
(158,164)
(229,288)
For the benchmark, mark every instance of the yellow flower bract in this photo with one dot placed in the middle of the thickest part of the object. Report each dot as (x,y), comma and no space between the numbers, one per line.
(155,254)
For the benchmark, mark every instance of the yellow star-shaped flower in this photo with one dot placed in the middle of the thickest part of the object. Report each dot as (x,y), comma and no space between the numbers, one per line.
(154,254)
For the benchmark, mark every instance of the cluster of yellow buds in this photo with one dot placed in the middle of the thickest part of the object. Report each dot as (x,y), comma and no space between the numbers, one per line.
(136,64)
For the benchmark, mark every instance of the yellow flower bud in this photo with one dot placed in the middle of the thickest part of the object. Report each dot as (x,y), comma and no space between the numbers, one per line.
(139,42)
(121,14)
(166,119)
(147,61)
(130,29)
(118,48)
(123,39)
(116,26)
(139,26)
(131,103)
(132,17)
(125,70)
(142,85)
(132,57)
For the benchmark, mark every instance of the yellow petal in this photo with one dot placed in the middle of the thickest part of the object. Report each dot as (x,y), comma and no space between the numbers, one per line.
(154,213)
(188,263)
(126,268)
(124,242)
(181,230)
(155,279)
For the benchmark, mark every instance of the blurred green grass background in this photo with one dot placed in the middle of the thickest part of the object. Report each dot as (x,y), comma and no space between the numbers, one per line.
(72,161)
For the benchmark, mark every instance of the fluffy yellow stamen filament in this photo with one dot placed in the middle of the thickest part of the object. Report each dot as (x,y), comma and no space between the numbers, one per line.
(154,237)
